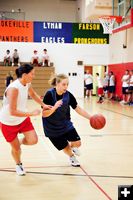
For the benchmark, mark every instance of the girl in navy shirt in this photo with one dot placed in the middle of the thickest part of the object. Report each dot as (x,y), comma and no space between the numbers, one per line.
(57,121)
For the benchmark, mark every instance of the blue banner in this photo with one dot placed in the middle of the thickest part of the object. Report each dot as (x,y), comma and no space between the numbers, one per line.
(52,32)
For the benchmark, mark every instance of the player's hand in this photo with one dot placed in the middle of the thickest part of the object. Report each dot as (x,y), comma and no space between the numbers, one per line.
(36,112)
(58,104)
(46,107)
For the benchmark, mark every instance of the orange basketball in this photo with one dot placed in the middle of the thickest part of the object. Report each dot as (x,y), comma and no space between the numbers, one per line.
(97,121)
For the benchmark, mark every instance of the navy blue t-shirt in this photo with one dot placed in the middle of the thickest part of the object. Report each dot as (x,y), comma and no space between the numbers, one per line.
(48,99)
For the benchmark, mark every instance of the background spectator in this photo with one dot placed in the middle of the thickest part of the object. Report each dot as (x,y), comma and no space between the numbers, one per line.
(125,85)
(130,89)
(88,78)
(35,58)
(100,88)
(9,78)
(7,58)
(45,58)
(111,85)
(106,84)
(15,58)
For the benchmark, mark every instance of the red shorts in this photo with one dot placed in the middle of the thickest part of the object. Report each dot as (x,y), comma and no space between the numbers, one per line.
(100,91)
(11,132)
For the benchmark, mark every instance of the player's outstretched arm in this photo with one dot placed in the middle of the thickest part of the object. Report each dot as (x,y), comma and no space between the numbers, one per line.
(47,113)
(36,98)
(82,112)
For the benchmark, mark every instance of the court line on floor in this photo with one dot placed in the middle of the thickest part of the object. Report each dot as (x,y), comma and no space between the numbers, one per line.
(30,167)
(95,183)
(117,112)
(67,174)
(99,135)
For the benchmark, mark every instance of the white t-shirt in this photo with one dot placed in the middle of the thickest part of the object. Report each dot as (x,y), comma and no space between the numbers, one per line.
(15,55)
(100,82)
(131,80)
(35,56)
(111,81)
(88,79)
(106,80)
(45,56)
(5,116)
(7,56)
(125,80)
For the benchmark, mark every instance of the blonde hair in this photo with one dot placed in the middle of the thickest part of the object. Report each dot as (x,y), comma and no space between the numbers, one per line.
(57,78)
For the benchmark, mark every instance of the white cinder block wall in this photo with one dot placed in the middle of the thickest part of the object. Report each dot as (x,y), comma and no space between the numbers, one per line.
(43,10)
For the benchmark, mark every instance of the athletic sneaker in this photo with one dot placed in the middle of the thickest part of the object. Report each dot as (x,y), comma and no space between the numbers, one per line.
(122,102)
(127,103)
(100,101)
(20,170)
(76,151)
(74,162)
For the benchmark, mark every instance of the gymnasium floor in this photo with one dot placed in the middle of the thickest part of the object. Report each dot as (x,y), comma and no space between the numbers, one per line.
(106,160)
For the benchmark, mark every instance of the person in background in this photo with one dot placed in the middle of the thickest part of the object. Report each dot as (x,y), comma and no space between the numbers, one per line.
(45,58)
(106,84)
(57,121)
(7,58)
(14,116)
(125,86)
(15,58)
(100,88)
(9,79)
(35,58)
(111,85)
(88,78)
(130,92)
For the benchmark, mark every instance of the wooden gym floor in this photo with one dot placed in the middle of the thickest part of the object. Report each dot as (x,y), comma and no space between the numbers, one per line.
(106,160)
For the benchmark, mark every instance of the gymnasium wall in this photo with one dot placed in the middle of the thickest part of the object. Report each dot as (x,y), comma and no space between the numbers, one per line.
(80,11)
(118,54)
(43,10)
(64,57)
(121,58)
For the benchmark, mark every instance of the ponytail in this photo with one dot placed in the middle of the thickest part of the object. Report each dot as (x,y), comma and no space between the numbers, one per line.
(57,79)
(24,69)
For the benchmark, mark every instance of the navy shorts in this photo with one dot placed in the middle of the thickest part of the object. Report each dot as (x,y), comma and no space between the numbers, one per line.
(130,89)
(125,90)
(89,86)
(111,89)
(62,141)
(105,88)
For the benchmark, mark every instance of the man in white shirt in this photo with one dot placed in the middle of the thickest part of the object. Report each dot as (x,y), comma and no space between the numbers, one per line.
(111,85)
(45,58)
(106,84)
(125,85)
(100,88)
(88,78)
(7,58)
(130,90)
(15,58)
(35,58)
